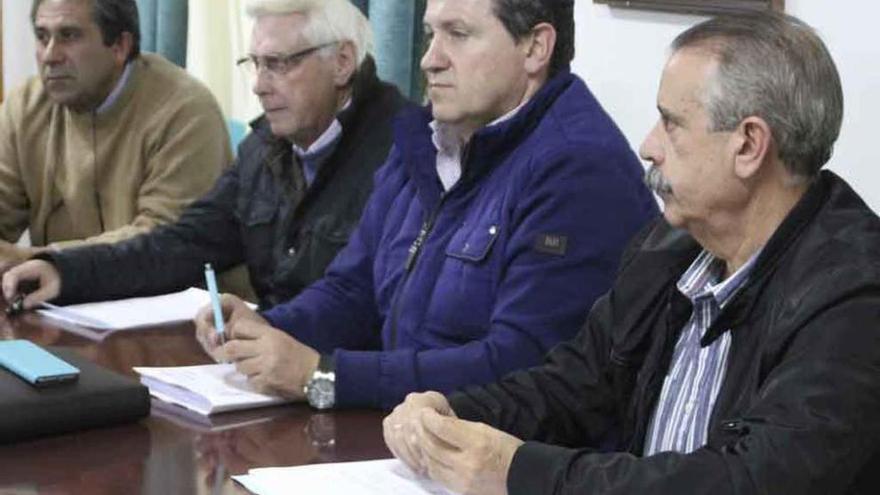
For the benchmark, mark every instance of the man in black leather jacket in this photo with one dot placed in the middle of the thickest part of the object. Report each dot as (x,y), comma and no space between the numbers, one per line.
(739,348)
(296,190)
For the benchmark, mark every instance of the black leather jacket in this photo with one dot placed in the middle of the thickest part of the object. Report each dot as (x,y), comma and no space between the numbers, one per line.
(286,235)
(798,412)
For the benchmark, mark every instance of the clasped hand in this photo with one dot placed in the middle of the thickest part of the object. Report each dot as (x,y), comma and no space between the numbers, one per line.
(274,362)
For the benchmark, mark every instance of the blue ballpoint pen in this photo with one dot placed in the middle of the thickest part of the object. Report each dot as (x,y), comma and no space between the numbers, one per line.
(211,281)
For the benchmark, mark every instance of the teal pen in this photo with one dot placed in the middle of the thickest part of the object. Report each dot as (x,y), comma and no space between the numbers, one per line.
(211,281)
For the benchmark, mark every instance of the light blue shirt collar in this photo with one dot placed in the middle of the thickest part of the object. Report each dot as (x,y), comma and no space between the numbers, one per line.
(117,90)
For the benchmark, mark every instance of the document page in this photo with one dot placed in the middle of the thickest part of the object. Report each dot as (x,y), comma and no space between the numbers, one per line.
(205,389)
(132,313)
(342,478)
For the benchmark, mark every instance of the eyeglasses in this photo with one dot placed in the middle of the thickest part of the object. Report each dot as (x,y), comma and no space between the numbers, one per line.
(277,64)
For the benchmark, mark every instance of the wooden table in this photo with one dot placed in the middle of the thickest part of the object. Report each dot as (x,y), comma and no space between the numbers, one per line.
(170,453)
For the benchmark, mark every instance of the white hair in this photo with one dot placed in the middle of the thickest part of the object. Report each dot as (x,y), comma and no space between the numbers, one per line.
(328,21)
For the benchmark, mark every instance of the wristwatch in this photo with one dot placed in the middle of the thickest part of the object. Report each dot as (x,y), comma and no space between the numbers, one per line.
(321,387)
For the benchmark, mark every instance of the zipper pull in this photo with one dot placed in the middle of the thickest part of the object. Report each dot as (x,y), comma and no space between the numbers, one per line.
(416,247)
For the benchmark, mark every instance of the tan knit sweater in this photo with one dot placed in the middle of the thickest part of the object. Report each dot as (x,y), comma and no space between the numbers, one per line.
(76,177)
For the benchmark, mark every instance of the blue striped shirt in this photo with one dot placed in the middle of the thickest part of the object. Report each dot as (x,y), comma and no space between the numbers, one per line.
(681,419)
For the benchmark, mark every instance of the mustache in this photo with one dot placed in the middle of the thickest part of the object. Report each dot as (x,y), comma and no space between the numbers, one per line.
(657,183)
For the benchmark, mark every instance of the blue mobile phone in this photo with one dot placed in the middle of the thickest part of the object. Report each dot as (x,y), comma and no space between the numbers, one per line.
(34,364)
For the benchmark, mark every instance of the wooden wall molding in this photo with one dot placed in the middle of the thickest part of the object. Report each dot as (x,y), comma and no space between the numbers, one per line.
(698,6)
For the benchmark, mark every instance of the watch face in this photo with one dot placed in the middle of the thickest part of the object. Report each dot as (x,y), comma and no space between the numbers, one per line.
(321,393)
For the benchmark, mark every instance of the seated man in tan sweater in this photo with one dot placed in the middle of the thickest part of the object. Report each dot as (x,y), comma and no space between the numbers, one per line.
(106,143)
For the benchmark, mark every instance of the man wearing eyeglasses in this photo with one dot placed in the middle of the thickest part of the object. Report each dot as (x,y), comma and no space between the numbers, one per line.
(297,188)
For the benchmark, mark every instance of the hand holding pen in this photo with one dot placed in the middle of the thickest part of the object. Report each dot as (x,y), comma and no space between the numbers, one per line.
(30,284)
(216,308)
(233,311)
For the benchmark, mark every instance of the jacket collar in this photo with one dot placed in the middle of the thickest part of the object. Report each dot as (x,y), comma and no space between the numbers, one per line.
(488,146)
(785,236)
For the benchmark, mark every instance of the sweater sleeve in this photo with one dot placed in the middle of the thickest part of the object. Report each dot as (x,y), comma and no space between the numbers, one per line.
(542,297)
(187,147)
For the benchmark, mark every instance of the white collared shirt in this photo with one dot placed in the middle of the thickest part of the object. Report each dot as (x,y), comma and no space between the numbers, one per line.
(450,144)
(314,156)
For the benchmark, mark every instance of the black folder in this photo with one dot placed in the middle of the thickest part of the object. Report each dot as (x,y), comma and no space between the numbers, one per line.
(99,397)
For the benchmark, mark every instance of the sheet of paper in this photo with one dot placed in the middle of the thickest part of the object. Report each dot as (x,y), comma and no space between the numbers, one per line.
(132,313)
(343,478)
(205,389)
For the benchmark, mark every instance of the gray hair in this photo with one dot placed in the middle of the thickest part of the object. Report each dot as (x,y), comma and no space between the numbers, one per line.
(328,21)
(773,66)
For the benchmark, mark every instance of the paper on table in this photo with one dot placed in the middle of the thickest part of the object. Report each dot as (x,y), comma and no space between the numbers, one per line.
(132,313)
(343,478)
(205,389)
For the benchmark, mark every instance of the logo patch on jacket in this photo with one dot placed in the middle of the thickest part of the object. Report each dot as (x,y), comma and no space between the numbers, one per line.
(551,244)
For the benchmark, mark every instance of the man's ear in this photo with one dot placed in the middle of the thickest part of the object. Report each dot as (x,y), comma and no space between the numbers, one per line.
(345,64)
(752,142)
(538,48)
(122,48)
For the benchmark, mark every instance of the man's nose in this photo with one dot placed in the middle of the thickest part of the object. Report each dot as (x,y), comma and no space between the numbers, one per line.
(52,53)
(650,150)
(261,84)
(435,57)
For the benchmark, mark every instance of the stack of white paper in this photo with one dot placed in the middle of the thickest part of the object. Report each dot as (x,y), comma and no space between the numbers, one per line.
(344,478)
(132,313)
(205,389)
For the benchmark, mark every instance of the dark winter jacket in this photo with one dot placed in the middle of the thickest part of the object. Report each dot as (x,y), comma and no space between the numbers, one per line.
(798,411)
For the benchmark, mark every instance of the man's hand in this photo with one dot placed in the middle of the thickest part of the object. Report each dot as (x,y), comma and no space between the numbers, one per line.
(234,309)
(273,361)
(42,273)
(12,255)
(402,428)
(466,457)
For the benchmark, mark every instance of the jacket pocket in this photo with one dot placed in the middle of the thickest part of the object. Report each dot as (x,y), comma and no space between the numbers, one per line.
(462,299)
(473,244)
(318,247)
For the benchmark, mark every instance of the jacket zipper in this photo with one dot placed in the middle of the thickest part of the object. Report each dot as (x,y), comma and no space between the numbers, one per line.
(415,249)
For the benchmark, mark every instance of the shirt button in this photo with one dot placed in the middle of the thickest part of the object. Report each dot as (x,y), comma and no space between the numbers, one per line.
(291,252)
(493,230)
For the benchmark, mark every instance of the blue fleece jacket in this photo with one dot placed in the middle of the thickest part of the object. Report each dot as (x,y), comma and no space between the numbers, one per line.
(438,290)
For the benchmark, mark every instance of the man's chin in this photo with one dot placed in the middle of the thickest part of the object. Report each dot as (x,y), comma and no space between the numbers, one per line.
(672,216)
(445,115)
(65,98)
(279,129)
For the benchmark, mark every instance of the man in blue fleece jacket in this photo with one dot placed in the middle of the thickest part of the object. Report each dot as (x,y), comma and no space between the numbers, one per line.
(498,218)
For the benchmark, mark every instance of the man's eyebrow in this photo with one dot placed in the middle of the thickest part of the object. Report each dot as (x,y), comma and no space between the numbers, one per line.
(669,115)
(58,28)
(446,25)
